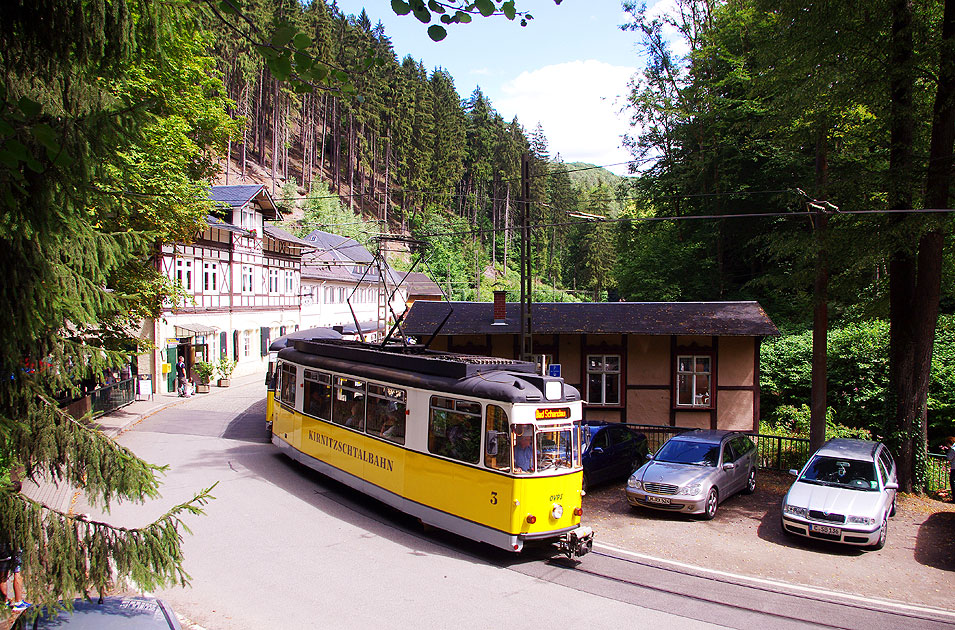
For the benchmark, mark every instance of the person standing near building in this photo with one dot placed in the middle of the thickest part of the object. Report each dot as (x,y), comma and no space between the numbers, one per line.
(181,376)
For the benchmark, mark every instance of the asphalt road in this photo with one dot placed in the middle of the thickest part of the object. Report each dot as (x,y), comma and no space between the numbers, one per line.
(284,546)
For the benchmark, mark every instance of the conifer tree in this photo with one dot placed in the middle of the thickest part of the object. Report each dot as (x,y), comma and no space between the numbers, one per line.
(98,99)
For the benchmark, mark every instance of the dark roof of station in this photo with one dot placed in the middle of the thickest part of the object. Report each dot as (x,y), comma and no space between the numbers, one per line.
(641,318)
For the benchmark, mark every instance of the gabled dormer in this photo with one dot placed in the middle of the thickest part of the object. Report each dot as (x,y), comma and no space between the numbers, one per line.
(246,206)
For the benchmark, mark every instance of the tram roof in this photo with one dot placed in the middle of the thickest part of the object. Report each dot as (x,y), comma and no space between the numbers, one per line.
(413,366)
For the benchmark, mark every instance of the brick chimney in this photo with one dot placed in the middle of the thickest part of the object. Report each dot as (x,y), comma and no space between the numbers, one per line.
(500,308)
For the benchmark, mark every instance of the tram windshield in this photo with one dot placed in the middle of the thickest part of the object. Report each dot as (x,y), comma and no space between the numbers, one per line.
(555,448)
(539,449)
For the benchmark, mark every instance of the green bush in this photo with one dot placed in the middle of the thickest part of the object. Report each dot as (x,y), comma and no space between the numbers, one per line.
(858,376)
(205,370)
(225,367)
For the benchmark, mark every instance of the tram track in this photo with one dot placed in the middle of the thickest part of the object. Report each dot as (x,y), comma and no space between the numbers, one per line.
(742,601)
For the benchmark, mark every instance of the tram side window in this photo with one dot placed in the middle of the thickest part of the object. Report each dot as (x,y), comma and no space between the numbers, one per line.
(454,429)
(386,412)
(318,394)
(348,403)
(497,445)
(287,377)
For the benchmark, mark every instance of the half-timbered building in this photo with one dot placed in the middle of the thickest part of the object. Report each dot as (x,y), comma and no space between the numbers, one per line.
(240,282)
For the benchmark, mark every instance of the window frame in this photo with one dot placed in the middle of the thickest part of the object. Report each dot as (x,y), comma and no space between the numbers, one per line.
(604,373)
(183,273)
(693,375)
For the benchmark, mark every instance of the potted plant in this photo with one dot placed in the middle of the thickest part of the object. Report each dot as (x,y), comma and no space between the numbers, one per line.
(205,371)
(225,367)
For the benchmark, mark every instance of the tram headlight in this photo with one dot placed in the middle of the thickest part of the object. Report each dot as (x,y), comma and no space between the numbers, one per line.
(558,511)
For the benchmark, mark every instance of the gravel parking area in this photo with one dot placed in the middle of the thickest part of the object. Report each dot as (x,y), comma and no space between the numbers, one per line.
(917,565)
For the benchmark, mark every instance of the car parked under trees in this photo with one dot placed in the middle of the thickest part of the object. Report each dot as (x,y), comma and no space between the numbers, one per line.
(694,472)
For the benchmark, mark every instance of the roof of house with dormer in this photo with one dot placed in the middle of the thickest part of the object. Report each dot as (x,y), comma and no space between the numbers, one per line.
(240,195)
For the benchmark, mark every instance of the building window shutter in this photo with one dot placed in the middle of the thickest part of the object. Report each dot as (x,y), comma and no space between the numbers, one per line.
(265,340)
(224,344)
(235,345)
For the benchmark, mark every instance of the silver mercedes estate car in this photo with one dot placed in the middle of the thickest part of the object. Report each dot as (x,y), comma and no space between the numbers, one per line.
(845,493)
(694,472)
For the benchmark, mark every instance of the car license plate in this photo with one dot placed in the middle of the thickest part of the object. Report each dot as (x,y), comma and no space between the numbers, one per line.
(825,529)
(660,500)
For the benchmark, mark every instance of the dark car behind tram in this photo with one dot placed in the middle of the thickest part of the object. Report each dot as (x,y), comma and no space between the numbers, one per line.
(610,451)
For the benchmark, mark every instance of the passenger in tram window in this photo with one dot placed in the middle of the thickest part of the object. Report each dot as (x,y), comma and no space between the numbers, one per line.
(314,401)
(389,428)
(356,418)
(524,452)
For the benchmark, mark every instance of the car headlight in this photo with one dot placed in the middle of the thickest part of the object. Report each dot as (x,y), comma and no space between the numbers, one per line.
(691,490)
(861,520)
(634,483)
(795,510)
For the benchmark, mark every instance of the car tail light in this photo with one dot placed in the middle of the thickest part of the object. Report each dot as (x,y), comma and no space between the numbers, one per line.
(531,519)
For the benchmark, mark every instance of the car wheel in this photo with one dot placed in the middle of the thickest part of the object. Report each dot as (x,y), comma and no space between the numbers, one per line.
(883,531)
(712,504)
(750,483)
(892,509)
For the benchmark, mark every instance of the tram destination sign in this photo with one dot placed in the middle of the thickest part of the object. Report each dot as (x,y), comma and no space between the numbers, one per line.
(560,413)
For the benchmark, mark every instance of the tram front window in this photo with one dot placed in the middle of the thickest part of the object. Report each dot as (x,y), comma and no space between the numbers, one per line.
(555,449)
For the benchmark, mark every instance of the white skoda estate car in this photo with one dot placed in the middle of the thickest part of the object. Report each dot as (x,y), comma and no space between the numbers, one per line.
(845,493)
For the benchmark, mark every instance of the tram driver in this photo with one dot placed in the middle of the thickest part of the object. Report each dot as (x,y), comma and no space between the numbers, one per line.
(523,450)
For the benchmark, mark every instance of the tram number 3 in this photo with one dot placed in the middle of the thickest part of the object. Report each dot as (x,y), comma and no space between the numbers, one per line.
(493,498)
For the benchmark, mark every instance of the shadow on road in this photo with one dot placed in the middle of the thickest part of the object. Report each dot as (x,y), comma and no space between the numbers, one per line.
(248,426)
(935,541)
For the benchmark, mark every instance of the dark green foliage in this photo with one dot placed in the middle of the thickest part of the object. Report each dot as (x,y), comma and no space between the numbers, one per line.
(858,378)
(96,99)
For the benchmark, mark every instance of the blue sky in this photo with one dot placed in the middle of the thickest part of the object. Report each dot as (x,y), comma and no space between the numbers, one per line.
(568,69)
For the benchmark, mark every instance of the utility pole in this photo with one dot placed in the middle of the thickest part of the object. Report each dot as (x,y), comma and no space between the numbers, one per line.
(527,346)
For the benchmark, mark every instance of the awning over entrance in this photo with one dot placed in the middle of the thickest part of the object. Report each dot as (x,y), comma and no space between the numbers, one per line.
(193,330)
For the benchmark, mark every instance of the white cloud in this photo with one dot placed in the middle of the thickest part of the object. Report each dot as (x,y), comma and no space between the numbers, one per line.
(578,104)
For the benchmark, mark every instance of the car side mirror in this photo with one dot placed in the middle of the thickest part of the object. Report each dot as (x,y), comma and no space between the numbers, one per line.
(793,472)
(891,486)
(729,466)
(649,455)
(597,450)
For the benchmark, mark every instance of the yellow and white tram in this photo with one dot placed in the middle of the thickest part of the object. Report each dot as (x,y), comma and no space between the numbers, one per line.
(482,447)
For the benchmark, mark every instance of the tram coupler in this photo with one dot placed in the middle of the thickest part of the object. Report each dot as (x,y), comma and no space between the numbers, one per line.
(576,542)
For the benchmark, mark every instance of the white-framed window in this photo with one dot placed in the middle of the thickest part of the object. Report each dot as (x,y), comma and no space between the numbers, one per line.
(247,278)
(273,280)
(289,282)
(184,273)
(210,276)
(693,380)
(247,218)
(247,343)
(603,379)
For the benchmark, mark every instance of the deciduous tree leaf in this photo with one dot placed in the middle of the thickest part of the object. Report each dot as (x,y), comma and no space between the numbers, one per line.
(282,36)
(437,32)
(302,41)
(486,7)
(400,7)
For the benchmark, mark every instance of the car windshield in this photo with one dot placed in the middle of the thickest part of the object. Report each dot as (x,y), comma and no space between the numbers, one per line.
(689,452)
(842,472)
